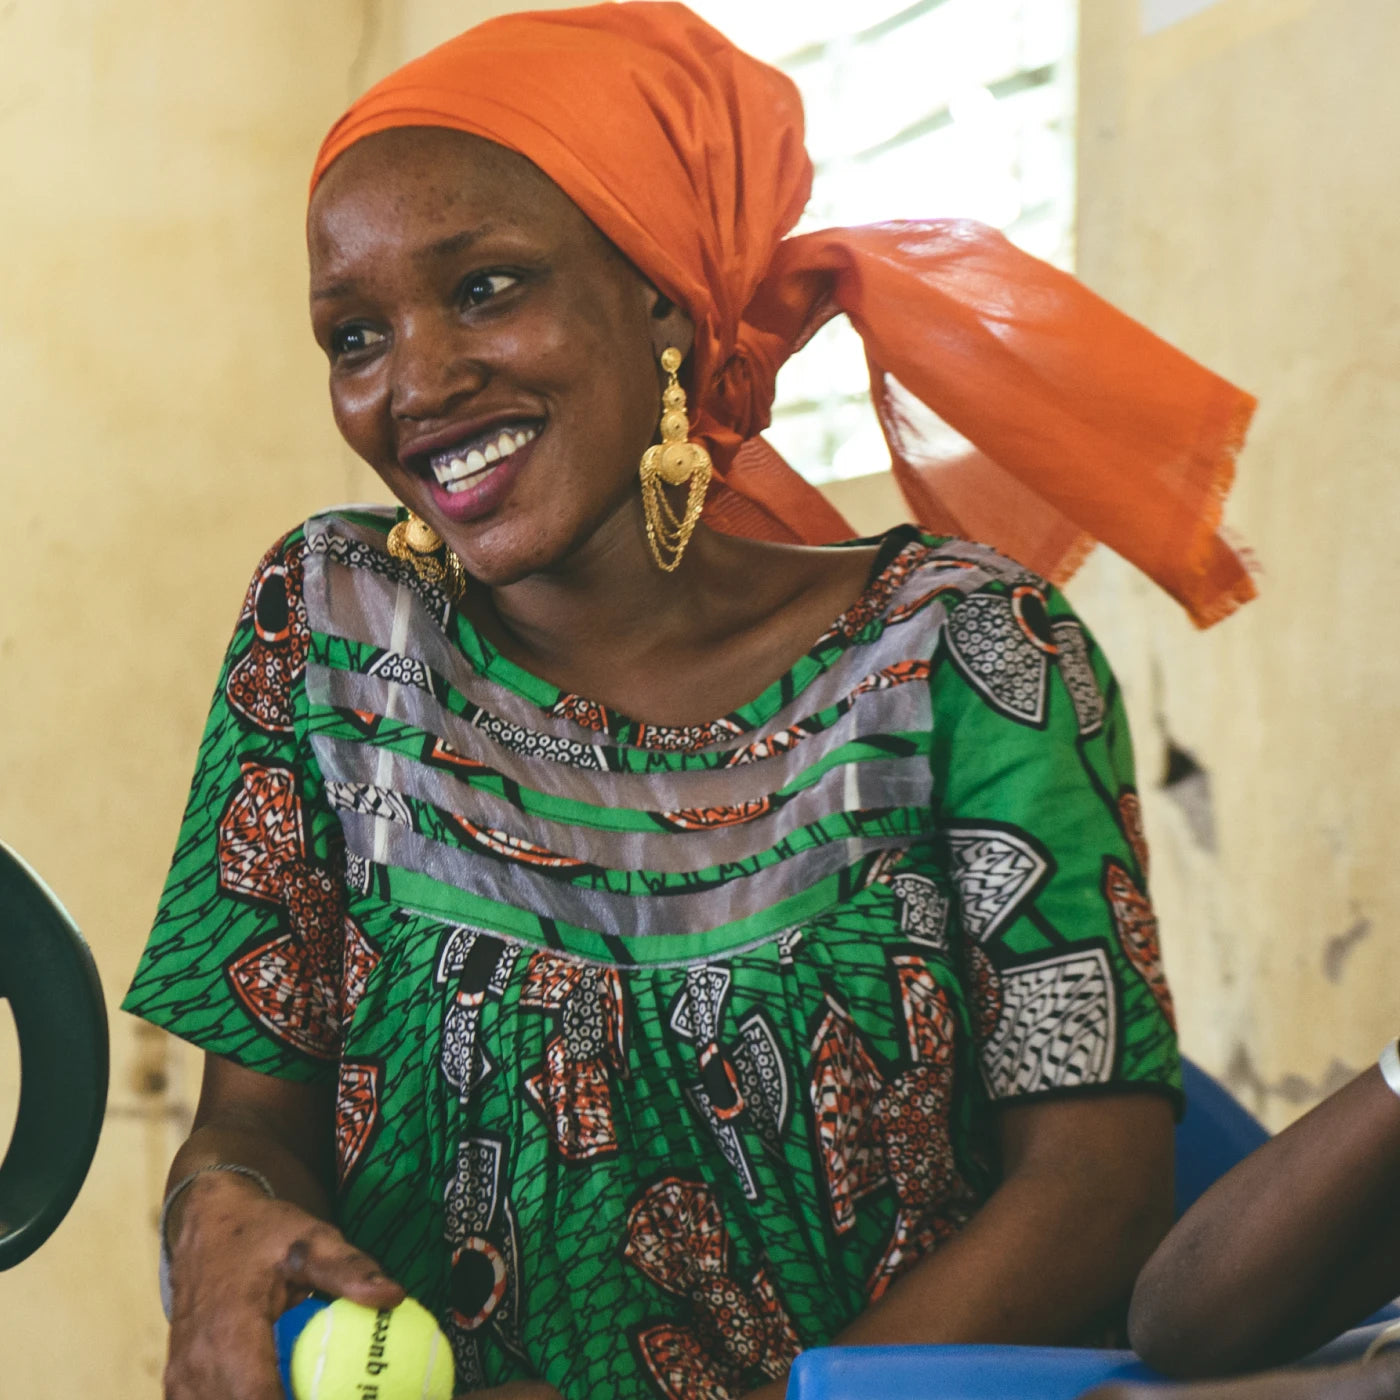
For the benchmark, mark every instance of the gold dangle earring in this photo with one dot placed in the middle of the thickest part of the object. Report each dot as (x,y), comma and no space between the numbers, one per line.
(415,542)
(673,461)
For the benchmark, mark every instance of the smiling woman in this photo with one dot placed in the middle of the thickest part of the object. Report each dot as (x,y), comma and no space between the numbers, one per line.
(663,944)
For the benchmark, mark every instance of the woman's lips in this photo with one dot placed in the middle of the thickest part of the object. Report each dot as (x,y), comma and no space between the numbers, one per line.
(464,491)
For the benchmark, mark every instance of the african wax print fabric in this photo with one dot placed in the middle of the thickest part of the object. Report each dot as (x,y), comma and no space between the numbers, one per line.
(658,1053)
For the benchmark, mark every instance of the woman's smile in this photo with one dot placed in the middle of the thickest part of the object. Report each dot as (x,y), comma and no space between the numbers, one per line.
(472,477)
(458,467)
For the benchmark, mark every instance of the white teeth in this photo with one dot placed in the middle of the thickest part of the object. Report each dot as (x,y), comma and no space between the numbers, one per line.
(453,472)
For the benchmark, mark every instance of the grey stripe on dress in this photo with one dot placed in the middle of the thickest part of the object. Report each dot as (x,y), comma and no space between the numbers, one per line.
(574,771)
(846,787)
(395,845)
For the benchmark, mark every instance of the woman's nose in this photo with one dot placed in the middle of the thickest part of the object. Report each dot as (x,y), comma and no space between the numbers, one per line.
(433,372)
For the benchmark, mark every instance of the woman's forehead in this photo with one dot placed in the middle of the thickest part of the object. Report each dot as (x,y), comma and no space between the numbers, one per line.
(427,173)
(427,193)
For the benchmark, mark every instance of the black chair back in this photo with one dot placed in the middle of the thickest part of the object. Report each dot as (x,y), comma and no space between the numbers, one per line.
(48,976)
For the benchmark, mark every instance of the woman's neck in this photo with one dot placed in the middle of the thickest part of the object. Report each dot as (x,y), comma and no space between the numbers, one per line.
(674,649)
(607,599)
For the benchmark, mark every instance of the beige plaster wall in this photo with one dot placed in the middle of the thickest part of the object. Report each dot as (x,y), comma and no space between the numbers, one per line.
(162,420)
(1237,193)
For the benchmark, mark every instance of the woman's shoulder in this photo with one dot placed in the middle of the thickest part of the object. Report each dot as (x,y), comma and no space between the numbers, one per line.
(1006,629)
(364,523)
(285,594)
(1002,626)
(367,524)
(917,568)
(979,564)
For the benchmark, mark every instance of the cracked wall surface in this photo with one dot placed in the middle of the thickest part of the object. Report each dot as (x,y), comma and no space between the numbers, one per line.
(1235,193)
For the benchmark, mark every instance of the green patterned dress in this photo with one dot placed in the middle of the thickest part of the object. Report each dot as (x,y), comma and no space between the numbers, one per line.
(660,1052)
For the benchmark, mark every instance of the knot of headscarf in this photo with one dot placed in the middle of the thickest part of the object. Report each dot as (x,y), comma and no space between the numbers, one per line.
(739,401)
(1083,425)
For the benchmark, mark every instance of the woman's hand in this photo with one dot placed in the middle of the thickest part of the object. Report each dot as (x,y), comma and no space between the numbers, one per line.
(239,1262)
(239,1259)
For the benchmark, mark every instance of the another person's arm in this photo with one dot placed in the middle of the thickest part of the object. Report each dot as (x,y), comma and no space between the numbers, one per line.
(1298,1242)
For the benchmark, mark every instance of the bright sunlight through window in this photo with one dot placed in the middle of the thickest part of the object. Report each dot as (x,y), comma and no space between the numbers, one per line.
(938,108)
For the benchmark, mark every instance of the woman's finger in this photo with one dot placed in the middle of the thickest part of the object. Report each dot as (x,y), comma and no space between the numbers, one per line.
(319,1258)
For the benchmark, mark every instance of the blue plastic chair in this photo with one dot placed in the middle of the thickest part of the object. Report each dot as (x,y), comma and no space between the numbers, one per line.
(958,1373)
(1214,1133)
(286,1331)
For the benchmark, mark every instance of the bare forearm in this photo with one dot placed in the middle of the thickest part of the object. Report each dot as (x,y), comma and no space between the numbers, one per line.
(1086,1197)
(1296,1243)
(248,1144)
(1044,1258)
(239,1258)
(280,1130)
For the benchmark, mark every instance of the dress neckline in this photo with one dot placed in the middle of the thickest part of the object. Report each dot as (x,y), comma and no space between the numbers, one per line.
(623,730)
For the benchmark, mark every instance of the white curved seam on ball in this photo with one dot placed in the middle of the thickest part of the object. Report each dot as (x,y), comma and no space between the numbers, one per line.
(322,1356)
(427,1390)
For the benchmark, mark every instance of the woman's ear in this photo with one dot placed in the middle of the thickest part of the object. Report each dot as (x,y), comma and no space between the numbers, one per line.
(669,325)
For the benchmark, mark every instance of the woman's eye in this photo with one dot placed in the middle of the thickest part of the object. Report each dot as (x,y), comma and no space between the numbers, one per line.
(350,340)
(482,286)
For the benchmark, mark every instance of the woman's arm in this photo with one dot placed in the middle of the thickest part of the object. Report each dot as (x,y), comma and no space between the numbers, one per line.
(240,1259)
(1299,1241)
(1085,1196)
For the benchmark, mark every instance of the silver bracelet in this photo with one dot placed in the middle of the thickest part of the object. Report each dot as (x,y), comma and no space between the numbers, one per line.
(184,1184)
(1389,1066)
(1387,1336)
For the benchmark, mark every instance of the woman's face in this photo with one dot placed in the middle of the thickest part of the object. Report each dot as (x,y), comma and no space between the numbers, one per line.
(492,356)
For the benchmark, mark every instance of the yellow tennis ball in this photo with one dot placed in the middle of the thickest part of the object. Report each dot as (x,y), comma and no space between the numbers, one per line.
(351,1352)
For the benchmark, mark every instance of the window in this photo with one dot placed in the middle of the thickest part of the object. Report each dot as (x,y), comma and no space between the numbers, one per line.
(961,108)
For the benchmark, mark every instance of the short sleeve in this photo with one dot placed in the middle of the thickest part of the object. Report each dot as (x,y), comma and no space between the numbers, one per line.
(1039,820)
(246,956)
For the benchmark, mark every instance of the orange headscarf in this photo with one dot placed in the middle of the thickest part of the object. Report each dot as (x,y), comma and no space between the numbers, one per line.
(687,153)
